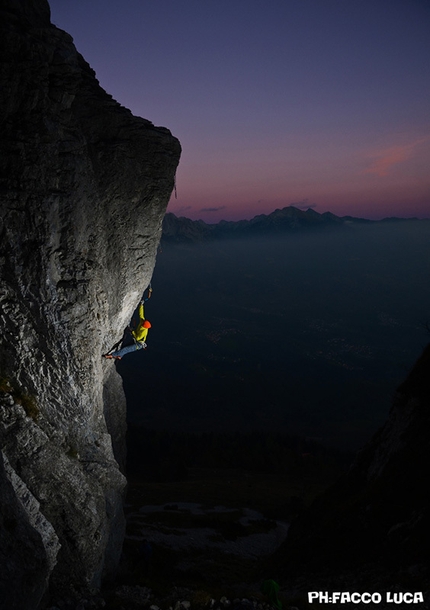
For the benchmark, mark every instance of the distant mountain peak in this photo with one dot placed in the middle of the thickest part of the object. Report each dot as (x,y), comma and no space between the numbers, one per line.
(282,220)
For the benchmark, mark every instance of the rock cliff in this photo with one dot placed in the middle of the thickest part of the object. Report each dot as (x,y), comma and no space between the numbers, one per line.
(83,190)
(379,512)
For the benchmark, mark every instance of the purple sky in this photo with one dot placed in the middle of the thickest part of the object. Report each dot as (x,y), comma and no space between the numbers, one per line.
(313,103)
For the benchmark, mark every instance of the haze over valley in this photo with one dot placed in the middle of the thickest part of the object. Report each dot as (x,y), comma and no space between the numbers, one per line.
(303,333)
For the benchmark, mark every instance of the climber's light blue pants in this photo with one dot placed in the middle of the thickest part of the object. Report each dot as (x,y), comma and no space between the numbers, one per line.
(127,350)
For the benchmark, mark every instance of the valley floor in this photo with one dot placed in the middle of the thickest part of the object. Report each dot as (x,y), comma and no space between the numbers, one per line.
(207,534)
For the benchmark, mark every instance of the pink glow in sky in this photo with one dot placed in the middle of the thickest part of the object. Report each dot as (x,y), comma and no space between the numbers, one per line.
(306,103)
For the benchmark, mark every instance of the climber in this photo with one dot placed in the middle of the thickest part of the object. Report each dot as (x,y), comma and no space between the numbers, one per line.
(139,335)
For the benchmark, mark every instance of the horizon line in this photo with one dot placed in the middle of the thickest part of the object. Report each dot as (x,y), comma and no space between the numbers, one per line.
(304,211)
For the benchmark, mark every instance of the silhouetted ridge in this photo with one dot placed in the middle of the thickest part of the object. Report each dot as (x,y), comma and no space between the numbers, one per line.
(379,511)
(288,219)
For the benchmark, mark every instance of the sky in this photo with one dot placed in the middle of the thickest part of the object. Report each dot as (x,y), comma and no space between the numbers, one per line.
(312,103)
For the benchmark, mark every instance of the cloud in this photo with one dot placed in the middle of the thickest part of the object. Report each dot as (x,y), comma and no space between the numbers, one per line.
(184,208)
(384,160)
(221,207)
(303,204)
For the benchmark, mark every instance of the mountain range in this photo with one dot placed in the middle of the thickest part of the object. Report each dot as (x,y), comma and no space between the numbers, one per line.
(288,219)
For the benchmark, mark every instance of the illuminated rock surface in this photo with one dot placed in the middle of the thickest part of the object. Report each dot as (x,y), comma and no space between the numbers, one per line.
(83,189)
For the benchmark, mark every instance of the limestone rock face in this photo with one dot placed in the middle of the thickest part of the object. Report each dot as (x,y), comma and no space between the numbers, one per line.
(83,190)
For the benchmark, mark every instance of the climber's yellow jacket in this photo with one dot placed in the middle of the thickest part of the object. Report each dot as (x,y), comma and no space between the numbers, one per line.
(141,332)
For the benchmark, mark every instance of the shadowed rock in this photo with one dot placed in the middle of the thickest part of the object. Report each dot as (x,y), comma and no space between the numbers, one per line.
(379,512)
